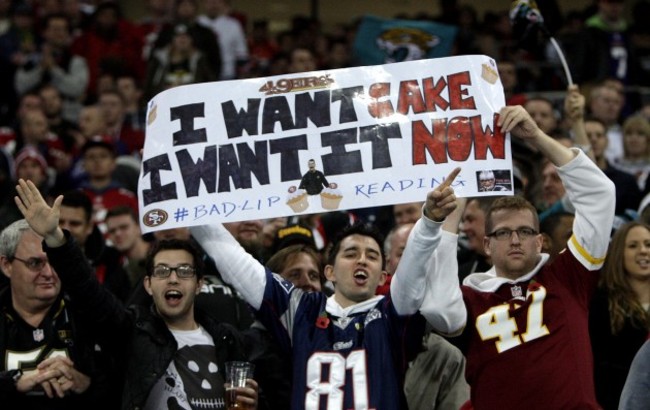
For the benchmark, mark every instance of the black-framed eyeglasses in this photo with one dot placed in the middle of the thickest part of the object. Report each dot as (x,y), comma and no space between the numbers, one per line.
(183,271)
(505,234)
(33,264)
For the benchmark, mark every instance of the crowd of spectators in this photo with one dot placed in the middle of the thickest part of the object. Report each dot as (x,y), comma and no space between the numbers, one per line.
(76,78)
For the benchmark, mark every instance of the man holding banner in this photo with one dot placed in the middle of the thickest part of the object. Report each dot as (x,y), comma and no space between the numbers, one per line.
(527,345)
(373,336)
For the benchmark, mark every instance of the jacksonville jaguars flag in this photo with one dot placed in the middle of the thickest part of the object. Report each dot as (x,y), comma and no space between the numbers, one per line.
(381,41)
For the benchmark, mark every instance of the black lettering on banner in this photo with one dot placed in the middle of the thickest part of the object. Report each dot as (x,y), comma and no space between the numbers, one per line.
(276,109)
(240,171)
(288,149)
(316,109)
(186,114)
(346,97)
(340,161)
(204,169)
(157,192)
(238,121)
(378,135)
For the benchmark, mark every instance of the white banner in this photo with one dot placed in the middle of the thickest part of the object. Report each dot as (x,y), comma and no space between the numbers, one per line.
(321,141)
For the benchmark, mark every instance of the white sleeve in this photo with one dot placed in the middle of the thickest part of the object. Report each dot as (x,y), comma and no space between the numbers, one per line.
(443,306)
(236,266)
(407,286)
(592,194)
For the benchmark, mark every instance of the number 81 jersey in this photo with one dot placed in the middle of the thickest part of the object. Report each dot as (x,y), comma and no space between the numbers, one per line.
(341,362)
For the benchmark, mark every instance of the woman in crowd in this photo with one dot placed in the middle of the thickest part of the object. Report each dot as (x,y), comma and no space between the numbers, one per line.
(619,318)
(636,149)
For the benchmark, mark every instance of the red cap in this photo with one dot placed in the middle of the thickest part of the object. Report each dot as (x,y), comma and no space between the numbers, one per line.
(30,152)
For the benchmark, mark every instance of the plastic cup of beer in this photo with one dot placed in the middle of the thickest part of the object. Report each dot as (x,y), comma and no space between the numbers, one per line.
(236,375)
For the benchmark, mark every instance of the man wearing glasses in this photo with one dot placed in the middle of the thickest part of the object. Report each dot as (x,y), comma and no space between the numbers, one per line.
(45,357)
(527,343)
(173,356)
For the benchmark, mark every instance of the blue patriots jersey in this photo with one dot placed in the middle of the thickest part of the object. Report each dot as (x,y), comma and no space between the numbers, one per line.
(353,362)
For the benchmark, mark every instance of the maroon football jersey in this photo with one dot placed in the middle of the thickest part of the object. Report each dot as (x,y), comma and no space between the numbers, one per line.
(528,343)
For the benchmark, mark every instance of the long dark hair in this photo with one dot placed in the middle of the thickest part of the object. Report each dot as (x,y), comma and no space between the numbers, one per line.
(623,302)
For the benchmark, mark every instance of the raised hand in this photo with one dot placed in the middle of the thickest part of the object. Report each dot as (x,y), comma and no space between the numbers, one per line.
(516,120)
(574,104)
(42,218)
(442,200)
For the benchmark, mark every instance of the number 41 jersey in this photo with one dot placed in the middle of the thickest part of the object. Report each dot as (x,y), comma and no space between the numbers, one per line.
(353,358)
(527,342)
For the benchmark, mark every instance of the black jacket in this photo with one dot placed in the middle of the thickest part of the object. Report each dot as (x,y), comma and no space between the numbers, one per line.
(63,329)
(137,337)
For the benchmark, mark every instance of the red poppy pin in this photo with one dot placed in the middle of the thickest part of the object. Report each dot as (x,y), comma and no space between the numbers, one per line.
(533,286)
(323,321)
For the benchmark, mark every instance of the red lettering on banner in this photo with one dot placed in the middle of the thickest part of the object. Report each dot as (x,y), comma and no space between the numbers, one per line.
(376,108)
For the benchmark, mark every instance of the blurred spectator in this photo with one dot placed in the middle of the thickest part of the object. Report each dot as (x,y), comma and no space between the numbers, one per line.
(271,230)
(543,113)
(134,107)
(179,63)
(79,15)
(606,104)
(337,55)
(556,229)
(552,187)
(203,39)
(30,166)
(292,234)
(17,44)
(124,233)
(53,108)
(628,195)
(110,45)
(394,245)
(262,48)
(619,320)
(636,393)
(301,60)
(76,216)
(300,265)
(249,236)
(639,34)
(636,149)
(474,259)
(231,37)
(407,213)
(508,75)
(127,140)
(98,155)
(604,49)
(157,15)
(54,63)
(35,132)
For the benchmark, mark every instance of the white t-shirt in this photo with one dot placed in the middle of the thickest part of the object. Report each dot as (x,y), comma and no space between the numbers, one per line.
(192,379)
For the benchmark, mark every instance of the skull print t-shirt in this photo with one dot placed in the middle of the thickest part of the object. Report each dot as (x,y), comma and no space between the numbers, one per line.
(192,380)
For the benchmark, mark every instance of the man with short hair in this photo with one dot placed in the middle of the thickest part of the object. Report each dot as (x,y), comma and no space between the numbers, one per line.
(99,162)
(314,180)
(124,232)
(474,259)
(76,217)
(172,354)
(407,213)
(373,336)
(527,343)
